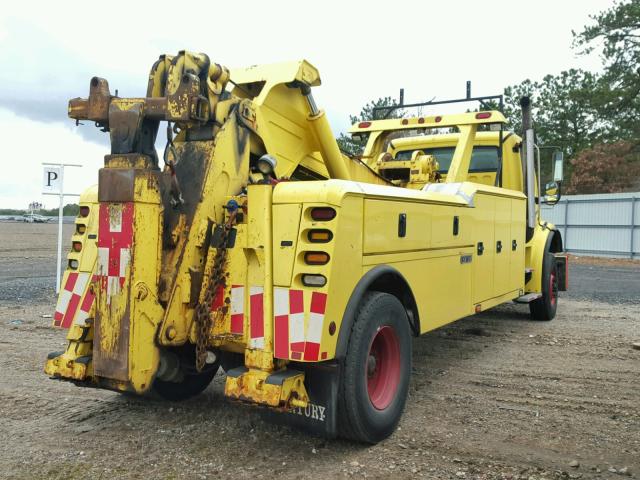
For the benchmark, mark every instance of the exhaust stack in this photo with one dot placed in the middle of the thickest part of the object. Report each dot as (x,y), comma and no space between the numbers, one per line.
(528,167)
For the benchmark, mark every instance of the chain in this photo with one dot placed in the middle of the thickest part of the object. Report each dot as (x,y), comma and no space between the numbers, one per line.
(216,281)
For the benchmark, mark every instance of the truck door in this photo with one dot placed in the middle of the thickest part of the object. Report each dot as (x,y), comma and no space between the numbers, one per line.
(517,243)
(483,238)
(502,246)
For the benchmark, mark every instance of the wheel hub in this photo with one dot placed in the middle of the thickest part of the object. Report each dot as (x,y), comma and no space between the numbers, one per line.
(553,288)
(383,368)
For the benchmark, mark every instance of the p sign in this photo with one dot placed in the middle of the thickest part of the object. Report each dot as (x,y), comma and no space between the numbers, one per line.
(52,180)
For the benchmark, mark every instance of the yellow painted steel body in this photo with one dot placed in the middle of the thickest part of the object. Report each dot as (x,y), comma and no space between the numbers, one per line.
(75,362)
(273,306)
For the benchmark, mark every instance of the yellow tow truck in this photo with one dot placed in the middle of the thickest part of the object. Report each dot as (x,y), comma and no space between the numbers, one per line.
(257,247)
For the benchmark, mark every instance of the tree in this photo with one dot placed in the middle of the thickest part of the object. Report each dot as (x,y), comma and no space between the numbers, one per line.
(616,32)
(605,168)
(69,210)
(512,96)
(586,112)
(354,147)
(563,109)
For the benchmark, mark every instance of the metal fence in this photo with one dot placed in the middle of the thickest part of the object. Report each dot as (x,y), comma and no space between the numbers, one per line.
(605,225)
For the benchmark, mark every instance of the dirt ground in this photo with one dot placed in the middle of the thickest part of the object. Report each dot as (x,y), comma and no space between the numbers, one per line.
(495,396)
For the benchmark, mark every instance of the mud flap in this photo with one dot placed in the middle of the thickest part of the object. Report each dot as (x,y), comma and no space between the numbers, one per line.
(320,417)
(563,271)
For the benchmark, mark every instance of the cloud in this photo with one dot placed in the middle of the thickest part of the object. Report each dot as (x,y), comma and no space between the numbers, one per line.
(44,75)
(48,73)
(31,143)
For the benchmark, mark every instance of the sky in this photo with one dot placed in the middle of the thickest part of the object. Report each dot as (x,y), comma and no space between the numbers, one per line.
(363,49)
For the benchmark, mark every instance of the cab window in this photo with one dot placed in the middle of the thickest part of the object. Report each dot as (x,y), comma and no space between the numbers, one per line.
(483,158)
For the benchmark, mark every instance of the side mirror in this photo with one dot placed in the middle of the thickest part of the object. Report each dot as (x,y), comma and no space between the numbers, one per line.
(558,166)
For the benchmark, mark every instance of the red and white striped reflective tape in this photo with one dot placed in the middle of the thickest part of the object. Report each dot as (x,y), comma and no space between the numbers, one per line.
(115,237)
(75,301)
(256,317)
(291,339)
(237,307)
(314,329)
(288,320)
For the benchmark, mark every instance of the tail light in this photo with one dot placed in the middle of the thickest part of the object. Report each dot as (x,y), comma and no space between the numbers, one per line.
(80,228)
(77,246)
(84,211)
(320,236)
(314,280)
(73,264)
(316,258)
(323,213)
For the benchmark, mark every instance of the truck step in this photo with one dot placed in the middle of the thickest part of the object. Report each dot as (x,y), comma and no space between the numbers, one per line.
(280,389)
(528,298)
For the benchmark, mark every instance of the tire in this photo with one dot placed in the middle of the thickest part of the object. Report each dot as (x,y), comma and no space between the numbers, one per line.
(375,379)
(230,360)
(190,386)
(544,308)
(193,382)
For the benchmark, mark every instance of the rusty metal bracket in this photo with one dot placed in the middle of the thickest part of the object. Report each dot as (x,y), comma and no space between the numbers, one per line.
(187,105)
(125,120)
(184,89)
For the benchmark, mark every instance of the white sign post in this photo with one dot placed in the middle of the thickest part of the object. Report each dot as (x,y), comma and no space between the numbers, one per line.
(53,184)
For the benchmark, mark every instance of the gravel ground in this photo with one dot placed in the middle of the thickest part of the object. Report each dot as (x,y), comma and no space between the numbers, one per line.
(495,396)
(617,283)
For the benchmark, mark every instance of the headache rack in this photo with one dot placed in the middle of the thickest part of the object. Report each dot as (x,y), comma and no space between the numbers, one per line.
(487,102)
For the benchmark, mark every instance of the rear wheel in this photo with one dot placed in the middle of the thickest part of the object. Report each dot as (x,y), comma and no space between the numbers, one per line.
(375,380)
(544,308)
(190,386)
(192,383)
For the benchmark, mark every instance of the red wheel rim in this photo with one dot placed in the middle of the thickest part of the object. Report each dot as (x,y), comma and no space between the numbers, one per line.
(553,288)
(383,368)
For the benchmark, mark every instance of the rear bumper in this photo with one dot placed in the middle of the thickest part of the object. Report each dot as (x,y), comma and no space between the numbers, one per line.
(64,366)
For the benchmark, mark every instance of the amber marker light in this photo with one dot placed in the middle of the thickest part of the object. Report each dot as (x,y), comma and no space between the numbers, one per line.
(316,258)
(319,236)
